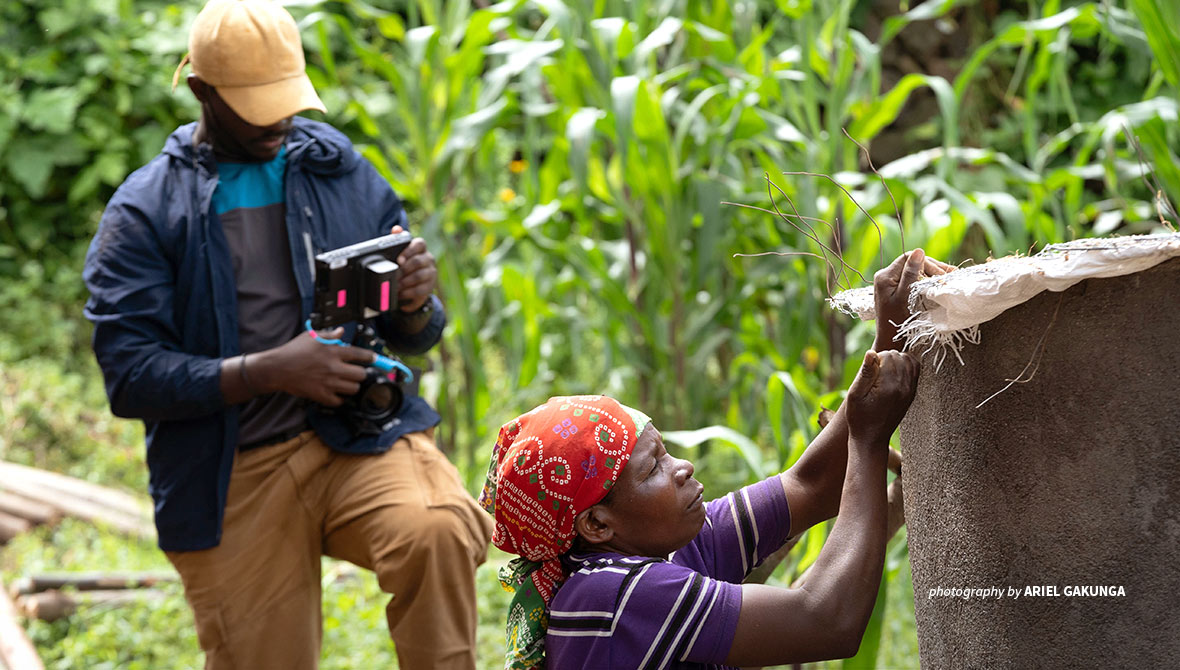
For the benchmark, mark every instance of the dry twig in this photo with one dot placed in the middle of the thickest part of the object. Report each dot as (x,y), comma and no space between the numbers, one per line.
(877,226)
(896,211)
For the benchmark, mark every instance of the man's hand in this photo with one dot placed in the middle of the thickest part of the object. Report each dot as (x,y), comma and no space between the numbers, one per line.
(419,274)
(322,373)
(891,292)
(880,395)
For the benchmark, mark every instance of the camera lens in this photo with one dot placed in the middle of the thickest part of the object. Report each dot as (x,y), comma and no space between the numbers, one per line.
(373,408)
(377,398)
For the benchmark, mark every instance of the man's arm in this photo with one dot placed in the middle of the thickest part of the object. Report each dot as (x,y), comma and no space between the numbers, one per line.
(302,367)
(135,340)
(827,616)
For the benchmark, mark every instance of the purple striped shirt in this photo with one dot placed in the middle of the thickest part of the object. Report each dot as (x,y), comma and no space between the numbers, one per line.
(619,611)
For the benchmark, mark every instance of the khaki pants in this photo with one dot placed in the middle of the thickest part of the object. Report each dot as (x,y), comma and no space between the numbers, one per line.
(403,514)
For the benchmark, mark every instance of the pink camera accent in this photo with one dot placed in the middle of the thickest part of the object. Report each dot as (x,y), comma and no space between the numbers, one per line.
(341,298)
(384,296)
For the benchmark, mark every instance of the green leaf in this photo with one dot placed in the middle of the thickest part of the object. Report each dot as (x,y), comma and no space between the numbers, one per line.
(52,109)
(622,93)
(468,131)
(649,122)
(1164,163)
(691,119)
(30,163)
(519,56)
(749,451)
(418,41)
(83,185)
(794,9)
(57,21)
(579,130)
(782,393)
(931,9)
(1161,22)
(111,167)
(660,37)
(391,26)
(541,214)
(1081,19)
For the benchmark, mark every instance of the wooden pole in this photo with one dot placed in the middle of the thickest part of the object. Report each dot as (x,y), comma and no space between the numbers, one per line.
(11,526)
(15,647)
(90,581)
(76,498)
(36,512)
(54,605)
(129,505)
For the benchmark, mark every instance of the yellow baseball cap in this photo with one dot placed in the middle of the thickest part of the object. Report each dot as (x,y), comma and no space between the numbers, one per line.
(250,51)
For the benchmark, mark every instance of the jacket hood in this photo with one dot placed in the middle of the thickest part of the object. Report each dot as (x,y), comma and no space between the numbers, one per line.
(313,146)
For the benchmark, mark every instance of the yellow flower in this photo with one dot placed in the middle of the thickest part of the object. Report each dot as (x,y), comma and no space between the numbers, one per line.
(507,194)
(810,358)
(517,166)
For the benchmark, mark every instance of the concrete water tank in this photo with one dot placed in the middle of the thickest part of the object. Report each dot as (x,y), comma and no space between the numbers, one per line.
(1044,523)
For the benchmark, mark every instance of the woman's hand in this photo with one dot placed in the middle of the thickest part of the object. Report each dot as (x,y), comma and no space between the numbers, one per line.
(891,292)
(880,396)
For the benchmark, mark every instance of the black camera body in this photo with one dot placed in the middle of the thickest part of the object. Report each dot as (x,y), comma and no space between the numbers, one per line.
(353,284)
(373,408)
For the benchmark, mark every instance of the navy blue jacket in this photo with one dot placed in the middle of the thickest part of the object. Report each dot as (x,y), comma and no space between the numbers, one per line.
(163,301)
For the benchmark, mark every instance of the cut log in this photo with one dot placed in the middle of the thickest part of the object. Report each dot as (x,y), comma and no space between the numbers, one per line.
(16,649)
(90,581)
(10,473)
(36,512)
(138,526)
(76,498)
(11,526)
(54,605)
(47,606)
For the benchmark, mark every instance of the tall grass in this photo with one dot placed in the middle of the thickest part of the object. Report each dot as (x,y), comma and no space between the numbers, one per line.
(570,163)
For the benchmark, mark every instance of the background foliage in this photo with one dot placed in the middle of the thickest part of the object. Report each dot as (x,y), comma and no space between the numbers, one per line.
(571,165)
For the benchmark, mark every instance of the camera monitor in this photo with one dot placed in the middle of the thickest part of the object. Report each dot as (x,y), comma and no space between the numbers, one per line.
(358,281)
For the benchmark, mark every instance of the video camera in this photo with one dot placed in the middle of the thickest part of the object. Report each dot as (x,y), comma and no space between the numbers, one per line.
(356,283)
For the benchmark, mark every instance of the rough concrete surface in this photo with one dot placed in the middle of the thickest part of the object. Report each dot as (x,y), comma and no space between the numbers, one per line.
(1071,479)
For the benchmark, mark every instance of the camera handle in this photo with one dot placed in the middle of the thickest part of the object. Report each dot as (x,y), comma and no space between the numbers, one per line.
(384,363)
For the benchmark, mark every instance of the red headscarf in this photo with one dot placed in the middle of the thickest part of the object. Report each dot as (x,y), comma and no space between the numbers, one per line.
(548,466)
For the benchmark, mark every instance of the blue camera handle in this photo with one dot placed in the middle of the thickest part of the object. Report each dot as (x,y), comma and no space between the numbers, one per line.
(383,363)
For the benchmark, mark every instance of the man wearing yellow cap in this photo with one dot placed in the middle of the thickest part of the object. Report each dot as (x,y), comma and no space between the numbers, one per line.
(201,277)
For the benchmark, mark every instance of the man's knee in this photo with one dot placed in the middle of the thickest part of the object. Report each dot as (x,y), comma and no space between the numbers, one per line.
(436,537)
(451,531)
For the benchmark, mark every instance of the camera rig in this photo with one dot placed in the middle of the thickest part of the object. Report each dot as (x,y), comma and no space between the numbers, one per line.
(353,284)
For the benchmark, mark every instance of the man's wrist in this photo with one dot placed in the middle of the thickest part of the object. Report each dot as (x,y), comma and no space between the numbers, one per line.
(259,373)
(245,377)
(416,320)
